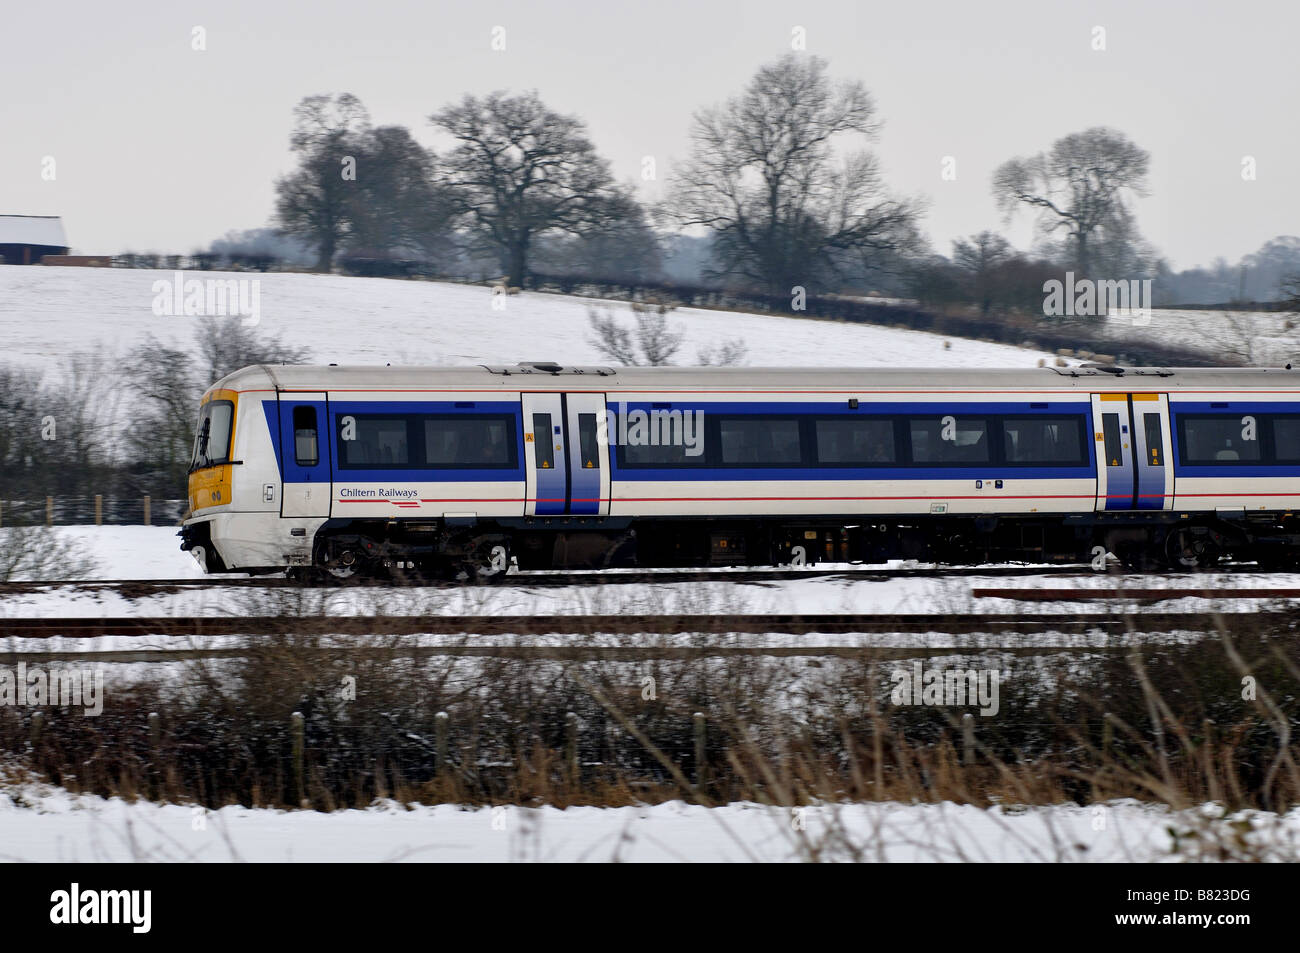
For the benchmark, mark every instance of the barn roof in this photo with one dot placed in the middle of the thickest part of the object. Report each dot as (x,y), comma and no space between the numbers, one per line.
(32,230)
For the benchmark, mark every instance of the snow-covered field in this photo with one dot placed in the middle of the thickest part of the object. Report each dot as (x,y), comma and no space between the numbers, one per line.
(46,313)
(1258,337)
(46,824)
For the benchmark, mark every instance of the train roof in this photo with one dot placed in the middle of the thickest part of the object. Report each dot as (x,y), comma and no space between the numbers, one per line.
(545,376)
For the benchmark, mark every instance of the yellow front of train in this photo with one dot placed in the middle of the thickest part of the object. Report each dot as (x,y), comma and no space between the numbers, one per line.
(210,468)
(210,485)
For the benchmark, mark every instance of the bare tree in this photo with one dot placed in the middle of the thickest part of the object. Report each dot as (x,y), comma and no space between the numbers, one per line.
(626,249)
(979,258)
(610,338)
(1078,187)
(651,342)
(764,178)
(227,344)
(521,171)
(38,552)
(398,204)
(729,353)
(313,202)
(169,382)
(1289,288)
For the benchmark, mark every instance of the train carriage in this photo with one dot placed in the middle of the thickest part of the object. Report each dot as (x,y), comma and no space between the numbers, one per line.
(339,471)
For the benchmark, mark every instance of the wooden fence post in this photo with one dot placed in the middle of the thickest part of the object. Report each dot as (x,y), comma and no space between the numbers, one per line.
(147,520)
(968,739)
(49,511)
(99,509)
(441,724)
(298,730)
(38,722)
(571,755)
(699,750)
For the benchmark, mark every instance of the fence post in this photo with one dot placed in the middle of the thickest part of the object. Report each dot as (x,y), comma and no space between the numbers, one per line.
(298,731)
(155,751)
(99,509)
(968,739)
(441,724)
(1107,734)
(699,750)
(49,511)
(571,755)
(147,520)
(38,722)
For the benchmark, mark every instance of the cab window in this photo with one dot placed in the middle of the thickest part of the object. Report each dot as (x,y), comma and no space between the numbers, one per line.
(212,440)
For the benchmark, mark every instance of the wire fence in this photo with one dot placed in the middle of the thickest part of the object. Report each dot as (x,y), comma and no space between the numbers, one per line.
(92,511)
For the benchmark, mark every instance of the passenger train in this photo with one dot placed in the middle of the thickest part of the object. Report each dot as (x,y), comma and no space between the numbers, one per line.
(344,471)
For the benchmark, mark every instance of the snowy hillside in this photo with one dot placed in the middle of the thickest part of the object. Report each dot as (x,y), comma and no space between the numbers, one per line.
(1258,337)
(45,313)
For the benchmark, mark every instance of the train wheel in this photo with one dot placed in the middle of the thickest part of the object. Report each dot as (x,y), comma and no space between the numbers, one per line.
(1191,547)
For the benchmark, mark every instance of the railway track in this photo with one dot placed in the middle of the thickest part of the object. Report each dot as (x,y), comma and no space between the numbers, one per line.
(1131,595)
(505,625)
(571,653)
(138,587)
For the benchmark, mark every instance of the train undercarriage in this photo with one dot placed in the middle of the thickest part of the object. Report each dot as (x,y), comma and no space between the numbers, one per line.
(484,549)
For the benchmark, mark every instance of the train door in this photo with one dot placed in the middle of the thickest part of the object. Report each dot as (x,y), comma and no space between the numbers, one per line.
(588,454)
(305,454)
(1134,471)
(566,458)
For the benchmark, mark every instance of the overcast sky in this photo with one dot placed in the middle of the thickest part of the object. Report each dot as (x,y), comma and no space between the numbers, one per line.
(159,147)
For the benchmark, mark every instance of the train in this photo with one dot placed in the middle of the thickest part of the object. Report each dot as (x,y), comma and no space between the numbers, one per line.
(334,472)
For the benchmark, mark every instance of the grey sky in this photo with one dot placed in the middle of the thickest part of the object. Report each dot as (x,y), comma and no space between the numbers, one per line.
(159,147)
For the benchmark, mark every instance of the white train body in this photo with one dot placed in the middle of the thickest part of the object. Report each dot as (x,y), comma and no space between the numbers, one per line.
(367,469)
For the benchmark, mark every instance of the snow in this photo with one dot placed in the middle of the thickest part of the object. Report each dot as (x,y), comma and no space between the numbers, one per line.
(40,823)
(32,230)
(1256,337)
(132,552)
(376,321)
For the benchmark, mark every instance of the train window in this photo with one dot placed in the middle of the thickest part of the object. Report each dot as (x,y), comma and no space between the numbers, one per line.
(1114,446)
(306,452)
(662,438)
(1155,440)
(1218,439)
(543,442)
(1286,439)
(373,441)
(855,441)
(588,445)
(427,441)
(949,439)
(212,438)
(465,440)
(219,433)
(759,441)
(1044,441)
